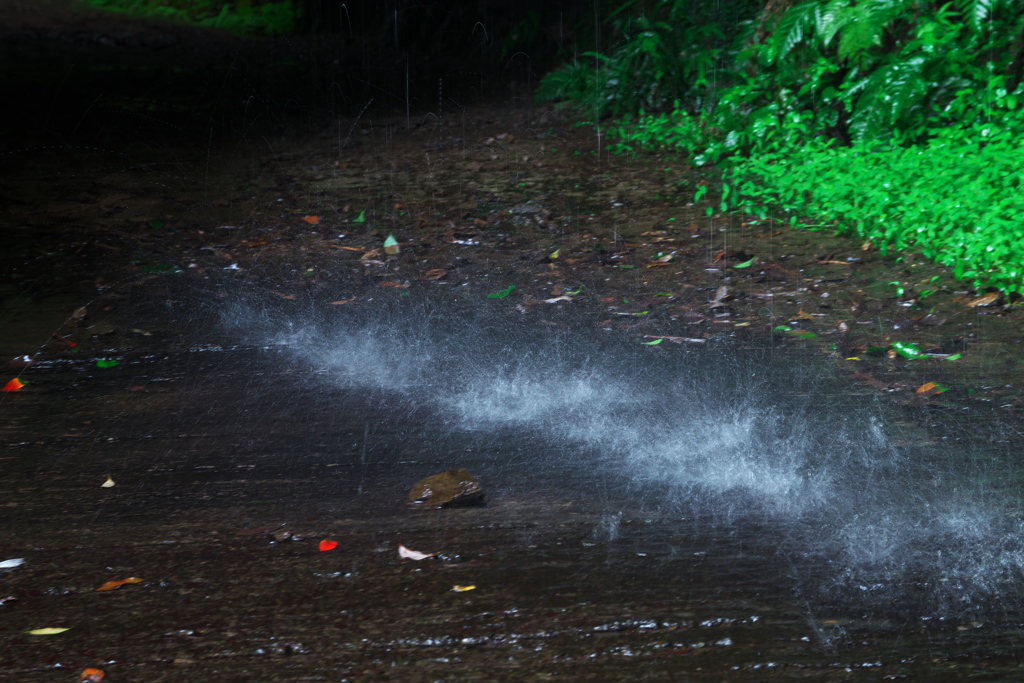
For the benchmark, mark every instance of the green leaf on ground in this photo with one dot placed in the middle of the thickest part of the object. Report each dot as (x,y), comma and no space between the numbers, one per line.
(502,294)
(907,350)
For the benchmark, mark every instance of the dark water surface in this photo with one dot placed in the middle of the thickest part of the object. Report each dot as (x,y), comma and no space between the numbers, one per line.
(710,512)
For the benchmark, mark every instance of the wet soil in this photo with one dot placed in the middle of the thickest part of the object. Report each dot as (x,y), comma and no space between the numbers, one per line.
(150,172)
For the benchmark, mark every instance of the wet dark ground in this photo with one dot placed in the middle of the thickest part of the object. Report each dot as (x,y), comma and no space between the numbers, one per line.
(167,192)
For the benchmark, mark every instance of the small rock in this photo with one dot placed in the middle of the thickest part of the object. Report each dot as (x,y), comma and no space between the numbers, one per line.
(454,488)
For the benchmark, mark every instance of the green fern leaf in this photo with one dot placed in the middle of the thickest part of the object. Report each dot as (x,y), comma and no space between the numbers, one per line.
(857,37)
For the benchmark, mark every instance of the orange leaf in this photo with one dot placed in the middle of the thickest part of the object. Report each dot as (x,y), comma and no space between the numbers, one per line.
(92,675)
(435,273)
(326,545)
(14,385)
(111,585)
(397,285)
(312,220)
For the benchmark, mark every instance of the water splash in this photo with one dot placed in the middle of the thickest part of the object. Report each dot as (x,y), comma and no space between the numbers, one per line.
(732,435)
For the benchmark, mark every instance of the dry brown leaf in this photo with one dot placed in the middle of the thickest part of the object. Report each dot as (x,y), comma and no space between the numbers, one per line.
(986,300)
(339,303)
(285,296)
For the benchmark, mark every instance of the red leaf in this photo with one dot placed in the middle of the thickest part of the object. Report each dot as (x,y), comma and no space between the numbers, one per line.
(328,545)
(14,385)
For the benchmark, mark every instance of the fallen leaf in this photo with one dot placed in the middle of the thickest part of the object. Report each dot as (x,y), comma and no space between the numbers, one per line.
(291,297)
(654,342)
(112,585)
(802,315)
(109,483)
(435,274)
(720,295)
(986,300)
(391,245)
(107,363)
(746,264)
(556,299)
(64,340)
(326,545)
(46,631)
(676,340)
(930,389)
(907,350)
(463,589)
(339,303)
(14,385)
(407,554)
(361,218)
(502,294)
(92,675)
(11,564)
(312,220)
(396,285)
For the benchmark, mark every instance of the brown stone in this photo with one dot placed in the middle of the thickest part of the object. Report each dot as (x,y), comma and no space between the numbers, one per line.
(454,488)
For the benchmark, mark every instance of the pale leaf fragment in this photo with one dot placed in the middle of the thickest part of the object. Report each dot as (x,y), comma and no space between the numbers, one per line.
(407,554)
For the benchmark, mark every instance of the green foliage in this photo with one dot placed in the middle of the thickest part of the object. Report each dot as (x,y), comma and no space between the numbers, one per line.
(957,198)
(252,17)
(894,120)
(673,53)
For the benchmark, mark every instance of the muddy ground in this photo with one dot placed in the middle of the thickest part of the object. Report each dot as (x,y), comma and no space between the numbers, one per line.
(146,168)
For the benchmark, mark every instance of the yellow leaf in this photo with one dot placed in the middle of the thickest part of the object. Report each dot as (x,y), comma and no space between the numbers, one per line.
(463,589)
(46,631)
(108,483)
